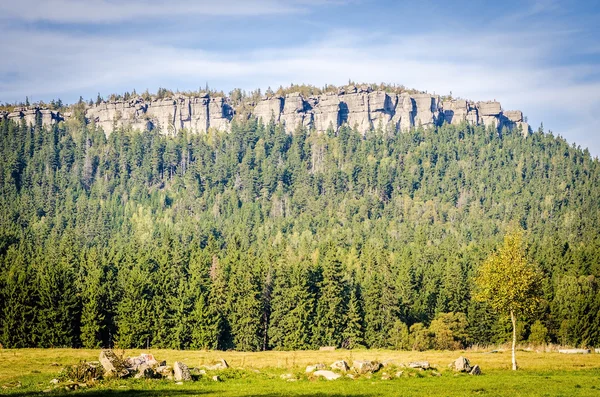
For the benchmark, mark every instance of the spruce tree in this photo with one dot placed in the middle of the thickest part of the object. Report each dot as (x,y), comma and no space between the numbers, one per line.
(332,301)
(92,293)
(354,332)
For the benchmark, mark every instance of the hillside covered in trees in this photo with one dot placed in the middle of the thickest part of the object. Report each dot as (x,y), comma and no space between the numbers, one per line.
(265,239)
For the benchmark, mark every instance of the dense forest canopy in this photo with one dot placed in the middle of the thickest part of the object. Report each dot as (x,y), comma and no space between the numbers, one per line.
(269,239)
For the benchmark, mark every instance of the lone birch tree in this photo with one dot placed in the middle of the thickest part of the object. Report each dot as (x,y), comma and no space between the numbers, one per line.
(509,283)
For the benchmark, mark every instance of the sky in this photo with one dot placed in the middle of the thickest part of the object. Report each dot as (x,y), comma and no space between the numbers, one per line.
(538,56)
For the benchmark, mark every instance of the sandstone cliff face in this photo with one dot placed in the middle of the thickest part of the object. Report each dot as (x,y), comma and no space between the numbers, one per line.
(358,107)
(29,114)
(170,115)
(365,109)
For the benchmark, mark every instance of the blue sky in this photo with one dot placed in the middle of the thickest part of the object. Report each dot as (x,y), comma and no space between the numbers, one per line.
(539,56)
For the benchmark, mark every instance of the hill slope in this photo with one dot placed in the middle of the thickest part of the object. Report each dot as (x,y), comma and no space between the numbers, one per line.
(259,239)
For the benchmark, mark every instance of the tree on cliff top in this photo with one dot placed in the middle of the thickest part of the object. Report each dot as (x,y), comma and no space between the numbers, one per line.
(510,283)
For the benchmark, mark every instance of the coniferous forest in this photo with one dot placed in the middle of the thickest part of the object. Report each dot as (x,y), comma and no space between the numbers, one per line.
(265,239)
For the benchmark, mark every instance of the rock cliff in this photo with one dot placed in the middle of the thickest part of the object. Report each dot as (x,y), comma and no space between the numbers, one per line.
(358,107)
(30,114)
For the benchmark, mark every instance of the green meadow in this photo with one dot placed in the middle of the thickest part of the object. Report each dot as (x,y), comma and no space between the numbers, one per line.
(28,372)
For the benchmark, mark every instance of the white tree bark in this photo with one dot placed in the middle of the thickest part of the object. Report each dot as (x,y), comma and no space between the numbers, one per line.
(514,340)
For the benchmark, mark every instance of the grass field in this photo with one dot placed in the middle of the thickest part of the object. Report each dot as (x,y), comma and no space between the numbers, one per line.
(27,372)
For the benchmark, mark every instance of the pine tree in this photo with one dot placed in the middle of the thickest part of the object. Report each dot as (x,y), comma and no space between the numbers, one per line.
(134,311)
(292,309)
(244,305)
(331,302)
(18,297)
(205,319)
(354,332)
(92,285)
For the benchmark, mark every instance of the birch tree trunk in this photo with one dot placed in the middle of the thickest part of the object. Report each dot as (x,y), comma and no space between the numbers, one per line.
(514,340)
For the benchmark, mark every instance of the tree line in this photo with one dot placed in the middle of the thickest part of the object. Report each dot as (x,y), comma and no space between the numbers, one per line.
(262,238)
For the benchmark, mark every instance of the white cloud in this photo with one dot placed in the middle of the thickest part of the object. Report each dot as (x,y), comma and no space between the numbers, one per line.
(105,11)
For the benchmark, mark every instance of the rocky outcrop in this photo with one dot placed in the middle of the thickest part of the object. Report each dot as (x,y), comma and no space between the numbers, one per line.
(170,115)
(353,106)
(366,109)
(31,114)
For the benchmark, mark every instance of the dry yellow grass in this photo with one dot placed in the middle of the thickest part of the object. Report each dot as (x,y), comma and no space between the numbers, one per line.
(18,362)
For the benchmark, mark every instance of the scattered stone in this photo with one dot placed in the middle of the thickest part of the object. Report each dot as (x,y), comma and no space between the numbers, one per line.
(461,364)
(327,348)
(419,364)
(113,365)
(435,373)
(145,371)
(340,366)
(313,368)
(574,351)
(179,383)
(54,381)
(475,370)
(46,390)
(54,364)
(596,350)
(197,371)
(286,376)
(133,363)
(385,376)
(399,374)
(221,364)
(166,371)
(351,376)
(216,378)
(363,367)
(181,371)
(329,375)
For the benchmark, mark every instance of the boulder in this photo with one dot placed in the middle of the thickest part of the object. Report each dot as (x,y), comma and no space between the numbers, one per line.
(475,370)
(216,378)
(181,371)
(133,363)
(340,366)
(221,364)
(363,367)
(112,364)
(329,375)
(313,368)
(327,348)
(419,364)
(461,364)
(145,371)
(165,371)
